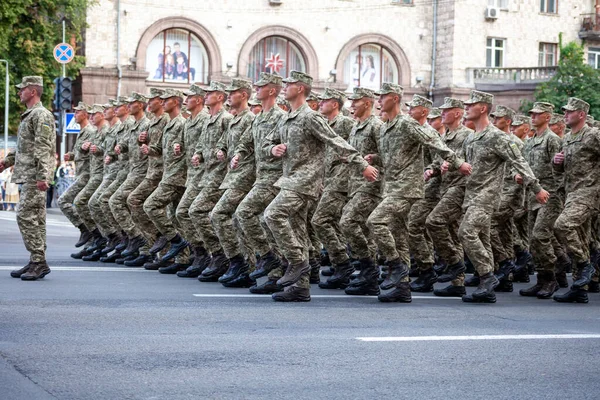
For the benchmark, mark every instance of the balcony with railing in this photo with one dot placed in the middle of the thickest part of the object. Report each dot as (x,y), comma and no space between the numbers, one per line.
(518,78)
(590,26)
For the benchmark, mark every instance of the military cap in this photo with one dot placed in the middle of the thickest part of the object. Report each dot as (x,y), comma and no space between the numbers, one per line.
(331,93)
(108,104)
(135,96)
(266,78)
(81,107)
(520,119)
(237,84)
(541,107)
(480,97)
(387,88)
(297,76)
(30,80)
(254,102)
(96,108)
(313,96)
(503,111)
(589,119)
(155,92)
(575,104)
(121,101)
(172,93)
(216,87)
(450,102)
(195,90)
(184,109)
(361,93)
(556,118)
(282,100)
(418,100)
(434,113)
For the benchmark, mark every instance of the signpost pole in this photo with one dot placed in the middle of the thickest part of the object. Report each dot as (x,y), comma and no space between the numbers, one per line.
(63,136)
(6,110)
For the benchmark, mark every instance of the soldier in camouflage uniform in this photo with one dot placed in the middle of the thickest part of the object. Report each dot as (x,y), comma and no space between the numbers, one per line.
(214,172)
(171,187)
(335,194)
(255,106)
(442,223)
(34,165)
(539,152)
(301,142)
(268,171)
(81,157)
(579,160)
(557,125)
(313,101)
(237,183)
(488,150)
(148,140)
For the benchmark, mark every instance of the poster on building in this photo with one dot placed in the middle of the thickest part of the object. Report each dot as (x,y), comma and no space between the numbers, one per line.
(368,66)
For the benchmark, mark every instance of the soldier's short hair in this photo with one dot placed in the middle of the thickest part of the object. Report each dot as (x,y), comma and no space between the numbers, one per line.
(307,88)
(38,89)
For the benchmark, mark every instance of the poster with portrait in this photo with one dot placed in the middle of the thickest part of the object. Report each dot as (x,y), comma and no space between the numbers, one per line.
(368,66)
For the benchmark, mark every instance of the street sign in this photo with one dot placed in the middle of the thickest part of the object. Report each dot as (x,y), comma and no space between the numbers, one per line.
(64,53)
(71,125)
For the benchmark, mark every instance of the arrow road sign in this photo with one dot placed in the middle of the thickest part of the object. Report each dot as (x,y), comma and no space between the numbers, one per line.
(64,53)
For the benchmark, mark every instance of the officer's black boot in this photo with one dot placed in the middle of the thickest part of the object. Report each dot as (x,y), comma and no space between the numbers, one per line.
(268,287)
(424,283)
(485,290)
(341,277)
(450,291)
(574,295)
(586,270)
(505,269)
(399,295)
(452,272)
(237,266)
(368,272)
(397,271)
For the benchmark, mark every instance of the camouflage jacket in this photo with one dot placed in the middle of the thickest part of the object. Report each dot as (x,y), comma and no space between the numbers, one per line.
(122,159)
(107,148)
(364,137)
(402,142)
(34,158)
(97,158)
(306,134)
(337,172)
(432,186)
(487,152)
(454,140)
(80,156)
(213,129)
(155,131)
(175,170)
(191,133)
(243,177)
(581,166)
(512,192)
(138,161)
(539,153)
(268,169)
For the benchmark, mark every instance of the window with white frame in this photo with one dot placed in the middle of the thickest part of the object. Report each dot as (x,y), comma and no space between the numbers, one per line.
(594,57)
(549,6)
(494,52)
(547,55)
(501,4)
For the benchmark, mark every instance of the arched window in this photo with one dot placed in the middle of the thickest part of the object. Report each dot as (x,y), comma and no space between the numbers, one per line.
(368,65)
(177,55)
(277,55)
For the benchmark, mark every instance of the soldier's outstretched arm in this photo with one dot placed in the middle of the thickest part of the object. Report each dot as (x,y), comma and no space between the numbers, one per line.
(510,152)
(435,143)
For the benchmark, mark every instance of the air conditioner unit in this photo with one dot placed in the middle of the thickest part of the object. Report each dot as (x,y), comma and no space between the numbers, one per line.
(275,2)
(492,13)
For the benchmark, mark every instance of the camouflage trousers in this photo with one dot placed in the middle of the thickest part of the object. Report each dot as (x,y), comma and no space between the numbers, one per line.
(572,228)
(101,219)
(326,223)
(502,233)
(286,217)
(199,212)
(389,224)
(182,213)
(442,225)
(521,229)
(104,203)
(135,202)
(474,233)
(156,207)
(544,244)
(354,224)
(31,219)
(419,241)
(82,202)
(120,209)
(65,202)
(314,251)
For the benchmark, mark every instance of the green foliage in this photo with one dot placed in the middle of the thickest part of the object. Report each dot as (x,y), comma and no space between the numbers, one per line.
(574,78)
(29,31)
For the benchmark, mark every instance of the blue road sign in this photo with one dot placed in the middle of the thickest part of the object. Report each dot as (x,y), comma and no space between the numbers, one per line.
(70,125)
(64,53)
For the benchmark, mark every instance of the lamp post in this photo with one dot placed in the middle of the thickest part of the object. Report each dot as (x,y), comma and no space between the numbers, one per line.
(6,109)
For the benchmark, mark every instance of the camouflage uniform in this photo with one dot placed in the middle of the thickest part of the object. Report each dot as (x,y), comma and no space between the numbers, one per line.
(33,161)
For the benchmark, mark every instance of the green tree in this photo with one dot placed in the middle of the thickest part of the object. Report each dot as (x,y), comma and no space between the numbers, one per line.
(574,78)
(29,31)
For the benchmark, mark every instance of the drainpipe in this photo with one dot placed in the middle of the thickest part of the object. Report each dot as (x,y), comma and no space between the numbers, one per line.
(434,50)
(120,71)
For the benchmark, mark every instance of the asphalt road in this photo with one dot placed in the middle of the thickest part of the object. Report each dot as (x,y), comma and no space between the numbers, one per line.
(88,331)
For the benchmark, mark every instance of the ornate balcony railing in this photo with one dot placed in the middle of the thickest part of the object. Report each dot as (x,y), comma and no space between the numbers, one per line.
(508,76)
(590,26)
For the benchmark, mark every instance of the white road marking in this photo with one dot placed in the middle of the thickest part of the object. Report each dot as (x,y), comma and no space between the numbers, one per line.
(49,222)
(317,296)
(479,337)
(83,269)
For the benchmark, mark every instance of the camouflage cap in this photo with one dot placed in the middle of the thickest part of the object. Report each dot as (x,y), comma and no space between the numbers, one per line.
(313,96)
(30,80)
(155,92)
(172,93)
(331,93)
(237,84)
(108,104)
(589,119)
(195,90)
(503,111)
(254,102)
(450,102)
(184,109)
(434,113)
(282,100)
(361,93)
(387,88)
(135,96)
(216,86)
(575,104)
(556,118)
(297,76)
(480,97)
(266,78)
(96,108)
(541,107)
(419,100)
(121,101)
(520,119)
(81,106)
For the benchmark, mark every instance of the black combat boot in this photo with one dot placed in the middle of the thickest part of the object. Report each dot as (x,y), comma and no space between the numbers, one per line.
(113,241)
(173,268)
(399,295)
(178,244)
(533,290)
(84,237)
(521,275)
(574,295)
(266,264)
(369,289)
(134,245)
(451,291)
(324,259)
(268,287)
(241,281)
(201,262)
(586,271)
(452,272)
(95,256)
(549,287)
(112,258)
(140,261)
(159,244)
(81,253)
(424,283)
(369,273)
(505,269)
(122,260)
(292,293)
(485,290)
(18,272)
(594,287)
(523,259)
(473,280)
(315,269)
(397,271)
(156,264)
(37,271)
(218,266)
(341,278)
(505,286)
(237,267)
(123,243)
